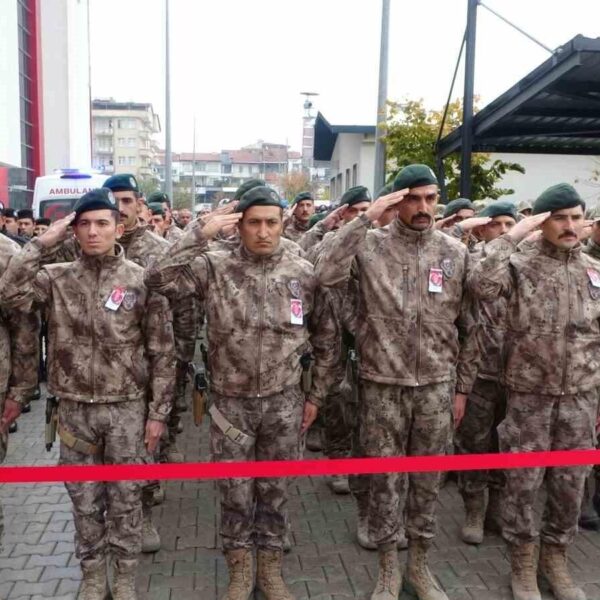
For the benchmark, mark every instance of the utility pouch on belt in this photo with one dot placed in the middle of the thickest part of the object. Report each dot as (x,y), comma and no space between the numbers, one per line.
(234,434)
(306,362)
(200,392)
(51,421)
(81,446)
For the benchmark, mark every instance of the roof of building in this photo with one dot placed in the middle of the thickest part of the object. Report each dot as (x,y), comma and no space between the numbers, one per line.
(553,110)
(271,155)
(110,104)
(326,136)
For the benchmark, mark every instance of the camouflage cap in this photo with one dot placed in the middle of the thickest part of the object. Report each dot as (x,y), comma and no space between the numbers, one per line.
(259,196)
(593,213)
(500,208)
(302,196)
(354,195)
(557,197)
(414,176)
(247,186)
(157,198)
(123,182)
(98,199)
(459,204)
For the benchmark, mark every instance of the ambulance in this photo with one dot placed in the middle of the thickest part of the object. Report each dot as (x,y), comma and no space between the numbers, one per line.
(55,195)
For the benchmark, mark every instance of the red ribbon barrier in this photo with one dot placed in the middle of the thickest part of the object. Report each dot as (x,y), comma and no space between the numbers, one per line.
(300,468)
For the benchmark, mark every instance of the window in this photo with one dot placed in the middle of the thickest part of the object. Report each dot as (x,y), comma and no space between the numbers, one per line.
(131,161)
(347,179)
(354,174)
(131,142)
(332,188)
(121,141)
(121,160)
(126,123)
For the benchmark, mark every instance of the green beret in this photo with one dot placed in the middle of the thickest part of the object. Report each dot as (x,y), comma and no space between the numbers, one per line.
(156,208)
(302,196)
(459,204)
(259,196)
(157,198)
(316,218)
(385,190)
(247,186)
(355,195)
(500,208)
(123,182)
(557,197)
(98,199)
(414,176)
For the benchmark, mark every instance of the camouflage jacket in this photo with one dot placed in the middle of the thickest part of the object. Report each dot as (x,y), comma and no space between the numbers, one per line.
(173,234)
(552,342)
(254,342)
(294,230)
(592,249)
(18,341)
(141,246)
(97,354)
(312,237)
(492,315)
(406,334)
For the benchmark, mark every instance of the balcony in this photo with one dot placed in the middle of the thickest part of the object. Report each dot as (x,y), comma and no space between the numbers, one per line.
(103,132)
(105,150)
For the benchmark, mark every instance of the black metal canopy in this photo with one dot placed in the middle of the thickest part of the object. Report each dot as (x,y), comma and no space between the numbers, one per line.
(553,110)
(326,136)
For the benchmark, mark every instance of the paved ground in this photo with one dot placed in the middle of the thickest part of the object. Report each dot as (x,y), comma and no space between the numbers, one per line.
(37,560)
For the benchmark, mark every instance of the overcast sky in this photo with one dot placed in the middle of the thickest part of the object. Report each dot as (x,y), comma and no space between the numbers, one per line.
(239,66)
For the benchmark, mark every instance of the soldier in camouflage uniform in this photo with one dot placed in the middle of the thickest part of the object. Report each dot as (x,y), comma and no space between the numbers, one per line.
(552,373)
(416,349)
(172,233)
(18,355)
(110,347)
(300,212)
(486,406)
(263,314)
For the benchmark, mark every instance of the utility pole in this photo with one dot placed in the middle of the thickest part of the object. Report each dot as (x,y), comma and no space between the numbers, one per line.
(467,124)
(194,170)
(379,179)
(168,157)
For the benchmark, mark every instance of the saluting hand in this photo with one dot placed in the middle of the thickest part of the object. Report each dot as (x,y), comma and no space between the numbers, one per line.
(523,228)
(57,232)
(219,222)
(335,217)
(380,205)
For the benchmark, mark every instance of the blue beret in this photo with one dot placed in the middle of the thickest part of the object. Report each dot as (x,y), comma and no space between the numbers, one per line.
(557,197)
(98,199)
(414,176)
(123,182)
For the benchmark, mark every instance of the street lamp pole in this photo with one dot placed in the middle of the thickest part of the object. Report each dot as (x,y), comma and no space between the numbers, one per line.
(168,157)
(379,179)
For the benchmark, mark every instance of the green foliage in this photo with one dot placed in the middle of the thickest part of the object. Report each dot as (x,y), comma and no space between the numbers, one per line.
(148,185)
(411,131)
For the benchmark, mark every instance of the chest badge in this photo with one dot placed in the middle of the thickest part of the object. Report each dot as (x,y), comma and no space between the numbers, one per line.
(447,266)
(295,288)
(594,277)
(115,299)
(129,300)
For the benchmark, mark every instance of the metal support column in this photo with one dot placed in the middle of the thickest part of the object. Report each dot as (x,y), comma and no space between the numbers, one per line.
(168,156)
(467,124)
(379,179)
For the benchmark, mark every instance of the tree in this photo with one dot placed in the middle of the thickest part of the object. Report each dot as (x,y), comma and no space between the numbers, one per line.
(148,185)
(411,131)
(293,183)
(182,196)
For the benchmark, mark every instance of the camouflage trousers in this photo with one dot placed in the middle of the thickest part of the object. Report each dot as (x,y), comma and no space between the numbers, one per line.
(339,415)
(107,514)
(537,422)
(3,436)
(486,408)
(404,421)
(253,511)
